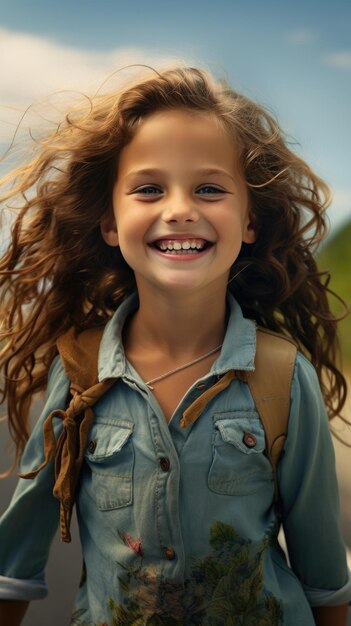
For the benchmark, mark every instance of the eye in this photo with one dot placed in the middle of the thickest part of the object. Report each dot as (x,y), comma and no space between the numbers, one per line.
(212,188)
(148,190)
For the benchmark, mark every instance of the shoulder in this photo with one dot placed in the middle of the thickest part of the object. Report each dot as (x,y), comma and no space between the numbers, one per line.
(276,353)
(57,378)
(305,378)
(279,347)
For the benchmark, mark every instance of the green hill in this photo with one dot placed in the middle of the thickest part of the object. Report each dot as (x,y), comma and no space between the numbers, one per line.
(335,256)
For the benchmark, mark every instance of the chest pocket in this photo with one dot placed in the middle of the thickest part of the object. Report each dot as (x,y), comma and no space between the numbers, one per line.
(239,465)
(109,457)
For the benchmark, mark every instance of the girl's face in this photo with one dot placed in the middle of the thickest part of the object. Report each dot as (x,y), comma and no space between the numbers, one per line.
(179,226)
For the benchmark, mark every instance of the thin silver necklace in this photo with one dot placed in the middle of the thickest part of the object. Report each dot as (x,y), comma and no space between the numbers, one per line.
(182,367)
(200,358)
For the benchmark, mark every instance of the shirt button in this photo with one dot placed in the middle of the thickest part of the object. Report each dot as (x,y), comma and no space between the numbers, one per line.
(92,445)
(169,553)
(249,440)
(164,464)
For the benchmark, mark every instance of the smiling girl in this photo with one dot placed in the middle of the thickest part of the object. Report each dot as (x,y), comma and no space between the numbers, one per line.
(180,236)
(173,212)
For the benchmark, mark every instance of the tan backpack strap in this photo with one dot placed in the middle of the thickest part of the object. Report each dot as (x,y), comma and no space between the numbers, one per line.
(270,384)
(193,412)
(79,355)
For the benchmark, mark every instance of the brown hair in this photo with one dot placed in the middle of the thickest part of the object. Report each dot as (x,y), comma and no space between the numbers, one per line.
(58,272)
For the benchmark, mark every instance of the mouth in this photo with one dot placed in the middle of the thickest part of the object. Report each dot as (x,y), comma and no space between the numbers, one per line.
(180,247)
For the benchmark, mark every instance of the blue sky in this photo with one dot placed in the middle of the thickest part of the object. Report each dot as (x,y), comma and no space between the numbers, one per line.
(293,57)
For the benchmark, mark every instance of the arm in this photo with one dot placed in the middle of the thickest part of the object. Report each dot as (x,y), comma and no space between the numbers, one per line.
(327,615)
(309,494)
(29,524)
(12,612)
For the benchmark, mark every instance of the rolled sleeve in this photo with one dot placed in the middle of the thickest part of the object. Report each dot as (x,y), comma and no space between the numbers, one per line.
(309,495)
(321,597)
(23,589)
(29,524)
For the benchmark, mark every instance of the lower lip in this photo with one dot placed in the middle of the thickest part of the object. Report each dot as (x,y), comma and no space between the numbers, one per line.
(181,257)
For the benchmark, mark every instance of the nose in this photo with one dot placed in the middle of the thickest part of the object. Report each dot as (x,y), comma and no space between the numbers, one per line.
(180,208)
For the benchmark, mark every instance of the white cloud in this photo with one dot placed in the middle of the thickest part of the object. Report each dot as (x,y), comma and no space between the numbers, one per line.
(341,60)
(33,67)
(340,209)
(301,36)
(342,198)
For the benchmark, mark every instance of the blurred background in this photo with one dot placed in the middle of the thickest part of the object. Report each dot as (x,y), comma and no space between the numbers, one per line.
(294,58)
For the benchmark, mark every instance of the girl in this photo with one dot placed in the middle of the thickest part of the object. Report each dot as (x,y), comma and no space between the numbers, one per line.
(173,212)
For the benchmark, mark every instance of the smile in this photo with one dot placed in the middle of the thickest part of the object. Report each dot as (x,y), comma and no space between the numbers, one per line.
(181,247)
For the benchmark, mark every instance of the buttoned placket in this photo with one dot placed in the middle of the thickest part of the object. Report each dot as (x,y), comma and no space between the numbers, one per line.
(168,440)
(167,469)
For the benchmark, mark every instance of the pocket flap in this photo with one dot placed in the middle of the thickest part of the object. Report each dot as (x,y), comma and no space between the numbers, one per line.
(107,438)
(240,430)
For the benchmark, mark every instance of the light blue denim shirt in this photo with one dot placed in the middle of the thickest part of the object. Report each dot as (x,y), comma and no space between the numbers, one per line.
(178,525)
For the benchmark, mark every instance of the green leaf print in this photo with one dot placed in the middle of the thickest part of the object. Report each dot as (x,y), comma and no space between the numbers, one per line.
(75,619)
(226,588)
(222,533)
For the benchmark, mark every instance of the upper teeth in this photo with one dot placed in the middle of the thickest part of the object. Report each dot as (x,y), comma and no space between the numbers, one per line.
(185,244)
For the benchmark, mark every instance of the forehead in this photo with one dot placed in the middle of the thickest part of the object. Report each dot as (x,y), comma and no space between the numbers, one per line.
(180,136)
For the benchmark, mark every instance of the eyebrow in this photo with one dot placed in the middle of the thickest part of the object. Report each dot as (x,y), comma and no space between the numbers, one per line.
(155,171)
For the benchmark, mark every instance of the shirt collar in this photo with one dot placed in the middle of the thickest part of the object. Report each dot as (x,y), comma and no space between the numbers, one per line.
(237,353)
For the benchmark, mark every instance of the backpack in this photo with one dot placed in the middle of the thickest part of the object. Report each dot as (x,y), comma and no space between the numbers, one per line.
(269,385)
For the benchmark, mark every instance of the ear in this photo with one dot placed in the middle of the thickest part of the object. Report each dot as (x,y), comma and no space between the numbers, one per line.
(108,228)
(249,234)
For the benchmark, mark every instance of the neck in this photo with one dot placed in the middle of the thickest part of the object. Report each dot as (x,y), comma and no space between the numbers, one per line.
(176,326)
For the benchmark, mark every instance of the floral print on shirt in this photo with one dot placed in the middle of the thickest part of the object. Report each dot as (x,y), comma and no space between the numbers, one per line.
(224,589)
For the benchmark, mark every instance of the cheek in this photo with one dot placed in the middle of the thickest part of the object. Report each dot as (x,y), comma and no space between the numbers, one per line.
(133,221)
(231,222)
(131,232)
(131,237)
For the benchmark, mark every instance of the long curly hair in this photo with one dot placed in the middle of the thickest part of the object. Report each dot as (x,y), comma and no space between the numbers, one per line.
(58,271)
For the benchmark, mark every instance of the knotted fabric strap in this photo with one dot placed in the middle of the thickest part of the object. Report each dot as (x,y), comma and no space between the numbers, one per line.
(79,356)
(68,450)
